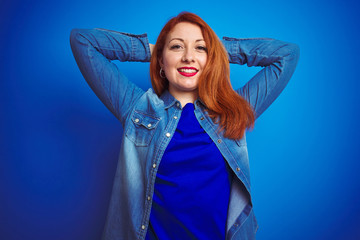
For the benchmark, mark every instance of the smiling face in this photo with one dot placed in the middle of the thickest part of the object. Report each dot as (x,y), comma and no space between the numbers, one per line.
(183,59)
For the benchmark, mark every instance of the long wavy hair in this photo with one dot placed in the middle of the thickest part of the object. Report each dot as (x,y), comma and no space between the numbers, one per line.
(226,108)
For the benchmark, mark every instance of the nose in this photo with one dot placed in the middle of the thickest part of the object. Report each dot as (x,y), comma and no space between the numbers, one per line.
(188,55)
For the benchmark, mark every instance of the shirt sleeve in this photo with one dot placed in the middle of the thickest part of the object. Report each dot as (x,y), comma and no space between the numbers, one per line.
(279,60)
(94,49)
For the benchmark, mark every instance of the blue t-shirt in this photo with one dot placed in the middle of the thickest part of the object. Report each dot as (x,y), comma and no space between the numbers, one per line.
(192,186)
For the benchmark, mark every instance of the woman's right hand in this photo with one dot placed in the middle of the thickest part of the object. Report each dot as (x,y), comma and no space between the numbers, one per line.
(151,47)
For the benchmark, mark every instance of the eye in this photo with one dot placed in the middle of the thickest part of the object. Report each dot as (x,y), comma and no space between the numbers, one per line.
(175,46)
(201,48)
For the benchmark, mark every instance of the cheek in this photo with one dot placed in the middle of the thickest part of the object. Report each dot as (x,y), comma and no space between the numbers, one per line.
(167,61)
(203,61)
(171,61)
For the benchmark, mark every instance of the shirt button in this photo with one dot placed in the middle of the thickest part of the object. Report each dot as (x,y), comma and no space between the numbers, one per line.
(148,198)
(238,169)
(137,120)
(168,134)
(154,165)
(178,104)
(175,117)
(149,125)
(219,140)
(143,227)
(202,118)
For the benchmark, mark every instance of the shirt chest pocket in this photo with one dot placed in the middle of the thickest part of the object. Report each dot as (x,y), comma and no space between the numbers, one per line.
(141,128)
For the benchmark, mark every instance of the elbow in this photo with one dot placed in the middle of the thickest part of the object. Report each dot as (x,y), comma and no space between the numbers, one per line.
(79,36)
(294,52)
(78,39)
(74,36)
(291,60)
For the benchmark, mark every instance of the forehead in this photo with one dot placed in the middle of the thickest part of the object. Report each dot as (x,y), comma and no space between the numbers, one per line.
(186,31)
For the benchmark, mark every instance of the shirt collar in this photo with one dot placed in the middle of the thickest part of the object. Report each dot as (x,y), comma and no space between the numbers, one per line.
(169,100)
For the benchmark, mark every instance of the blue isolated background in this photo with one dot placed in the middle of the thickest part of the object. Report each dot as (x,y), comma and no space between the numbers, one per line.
(59,145)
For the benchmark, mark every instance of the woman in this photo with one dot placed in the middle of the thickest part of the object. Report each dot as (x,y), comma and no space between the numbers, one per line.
(183,171)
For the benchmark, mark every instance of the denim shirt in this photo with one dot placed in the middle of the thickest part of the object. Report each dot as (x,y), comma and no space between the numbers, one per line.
(149,122)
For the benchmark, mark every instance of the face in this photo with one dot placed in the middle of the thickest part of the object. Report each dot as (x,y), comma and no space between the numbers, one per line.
(184,58)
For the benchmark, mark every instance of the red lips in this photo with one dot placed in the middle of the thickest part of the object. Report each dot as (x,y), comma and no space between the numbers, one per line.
(188,71)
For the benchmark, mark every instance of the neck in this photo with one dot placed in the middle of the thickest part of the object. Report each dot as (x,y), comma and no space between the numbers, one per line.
(184,97)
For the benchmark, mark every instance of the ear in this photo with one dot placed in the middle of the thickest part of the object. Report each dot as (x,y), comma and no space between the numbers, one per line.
(161,62)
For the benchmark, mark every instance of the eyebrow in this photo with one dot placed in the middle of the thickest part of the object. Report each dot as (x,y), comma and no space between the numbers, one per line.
(182,40)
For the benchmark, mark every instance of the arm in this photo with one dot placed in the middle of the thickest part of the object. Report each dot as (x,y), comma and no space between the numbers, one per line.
(93,51)
(279,60)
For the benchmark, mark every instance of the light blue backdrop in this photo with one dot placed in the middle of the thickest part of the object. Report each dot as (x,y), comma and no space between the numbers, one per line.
(59,144)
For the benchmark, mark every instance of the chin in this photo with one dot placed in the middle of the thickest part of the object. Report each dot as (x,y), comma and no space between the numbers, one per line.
(190,87)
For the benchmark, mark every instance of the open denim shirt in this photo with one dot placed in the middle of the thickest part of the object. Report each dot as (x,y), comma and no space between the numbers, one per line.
(150,121)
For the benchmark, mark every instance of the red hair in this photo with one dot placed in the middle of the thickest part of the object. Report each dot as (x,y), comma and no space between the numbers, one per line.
(227,108)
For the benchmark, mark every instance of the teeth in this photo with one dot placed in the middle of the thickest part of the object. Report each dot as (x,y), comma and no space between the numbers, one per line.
(187,70)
